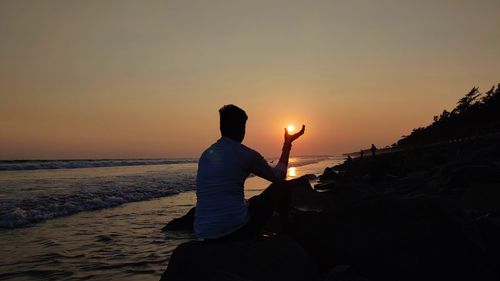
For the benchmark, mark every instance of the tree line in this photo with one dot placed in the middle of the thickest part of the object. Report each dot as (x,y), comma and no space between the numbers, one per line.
(475,114)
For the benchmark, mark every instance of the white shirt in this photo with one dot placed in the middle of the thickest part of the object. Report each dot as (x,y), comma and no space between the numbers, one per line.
(220,201)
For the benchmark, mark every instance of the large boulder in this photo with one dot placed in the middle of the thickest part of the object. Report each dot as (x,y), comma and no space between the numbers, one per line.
(304,196)
(329,174)
(272,258)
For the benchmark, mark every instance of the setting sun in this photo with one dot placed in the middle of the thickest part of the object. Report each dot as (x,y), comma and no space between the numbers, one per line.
(290,128)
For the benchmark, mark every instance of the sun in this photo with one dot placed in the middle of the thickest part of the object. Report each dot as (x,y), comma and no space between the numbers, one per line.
(290,128)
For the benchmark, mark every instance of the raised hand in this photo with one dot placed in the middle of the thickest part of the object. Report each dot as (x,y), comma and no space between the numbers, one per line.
(290,138)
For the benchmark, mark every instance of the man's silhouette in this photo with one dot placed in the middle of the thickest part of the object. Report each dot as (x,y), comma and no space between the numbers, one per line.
(221,210)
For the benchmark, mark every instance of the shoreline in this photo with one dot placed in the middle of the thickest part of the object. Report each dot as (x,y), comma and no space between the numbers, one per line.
(123,242)
(24,214)
(420,214)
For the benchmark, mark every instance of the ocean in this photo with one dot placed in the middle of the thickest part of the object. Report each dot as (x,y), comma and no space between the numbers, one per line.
(101,219)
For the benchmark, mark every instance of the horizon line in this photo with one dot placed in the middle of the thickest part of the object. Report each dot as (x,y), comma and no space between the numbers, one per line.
(142,158)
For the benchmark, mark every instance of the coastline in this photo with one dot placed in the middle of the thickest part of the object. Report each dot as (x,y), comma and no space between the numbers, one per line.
(428,213)
(123,242)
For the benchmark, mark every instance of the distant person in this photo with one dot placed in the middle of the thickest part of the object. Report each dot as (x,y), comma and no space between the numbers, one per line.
(361,153)
(373,150)
(221,211)
(349,159)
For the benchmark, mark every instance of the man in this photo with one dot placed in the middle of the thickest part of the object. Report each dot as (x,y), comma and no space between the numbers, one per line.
(373,150)
(221,210)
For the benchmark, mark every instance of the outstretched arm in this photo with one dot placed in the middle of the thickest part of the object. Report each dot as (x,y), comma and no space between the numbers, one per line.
(287,146)
(260,167)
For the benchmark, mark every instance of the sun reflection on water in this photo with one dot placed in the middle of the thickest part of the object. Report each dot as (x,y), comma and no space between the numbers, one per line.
(292,172)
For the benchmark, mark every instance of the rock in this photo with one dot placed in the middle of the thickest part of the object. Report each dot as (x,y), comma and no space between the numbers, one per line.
(329,174)
(384,238)
(341,197)
(325,185)
(484,197)
(461,175)
(309,229)
(183,223)
(310,176)
(490,231)
(304,196)
(342,272)
(274,258)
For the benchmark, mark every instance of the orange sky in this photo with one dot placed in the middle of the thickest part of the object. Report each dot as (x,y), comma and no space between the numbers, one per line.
(128,79)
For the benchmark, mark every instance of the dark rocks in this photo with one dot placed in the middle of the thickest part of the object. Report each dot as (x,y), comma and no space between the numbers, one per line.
(325,185)
(329,174)
(482,197)
(490,231)
(304,196)
(274,258)
(342,272)
(310,176)
(461,175)
(383,238)
(409,239)
(408,216)
(426,214)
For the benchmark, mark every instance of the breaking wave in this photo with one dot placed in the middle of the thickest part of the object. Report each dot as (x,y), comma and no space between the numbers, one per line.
(16,165)
(55,192)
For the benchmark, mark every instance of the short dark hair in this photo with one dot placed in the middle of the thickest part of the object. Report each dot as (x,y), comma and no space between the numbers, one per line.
(232,119)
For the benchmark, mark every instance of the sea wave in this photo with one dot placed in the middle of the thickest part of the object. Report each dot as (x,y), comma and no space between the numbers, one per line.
(15,213)
(55,193)
(17,165)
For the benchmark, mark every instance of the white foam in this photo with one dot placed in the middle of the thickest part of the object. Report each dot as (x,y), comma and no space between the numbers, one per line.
(40,208)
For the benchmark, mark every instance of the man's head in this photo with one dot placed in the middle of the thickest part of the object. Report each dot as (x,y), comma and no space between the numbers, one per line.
(232,122)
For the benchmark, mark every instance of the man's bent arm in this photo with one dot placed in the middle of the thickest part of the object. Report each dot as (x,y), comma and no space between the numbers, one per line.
(287,146)
(278,173)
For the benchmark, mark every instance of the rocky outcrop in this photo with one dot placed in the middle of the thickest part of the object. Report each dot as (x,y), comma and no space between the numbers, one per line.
(430,214)
(380,238)
(272,258)
(305,197)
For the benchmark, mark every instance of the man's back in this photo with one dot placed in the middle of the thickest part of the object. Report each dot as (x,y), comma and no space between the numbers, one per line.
(221,209)
(222,170)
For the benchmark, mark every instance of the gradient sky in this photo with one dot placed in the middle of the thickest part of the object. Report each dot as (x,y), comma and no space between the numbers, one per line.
(128,79)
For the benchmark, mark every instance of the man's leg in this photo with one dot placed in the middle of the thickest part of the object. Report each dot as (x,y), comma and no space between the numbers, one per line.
(277,198)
